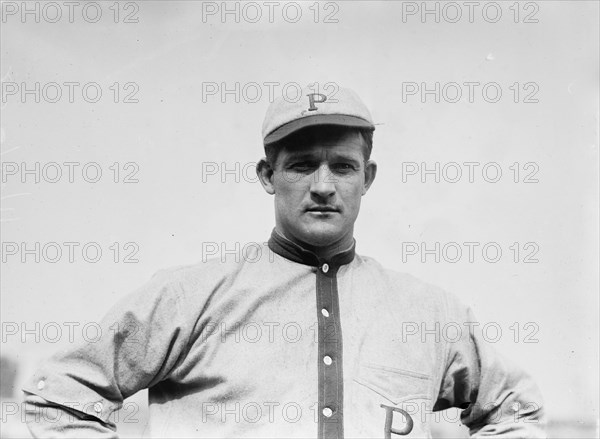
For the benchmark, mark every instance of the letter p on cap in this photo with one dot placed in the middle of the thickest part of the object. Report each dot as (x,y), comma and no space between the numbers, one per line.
(312,100)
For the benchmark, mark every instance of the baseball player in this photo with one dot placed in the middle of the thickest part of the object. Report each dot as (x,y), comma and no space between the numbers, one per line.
(302,337)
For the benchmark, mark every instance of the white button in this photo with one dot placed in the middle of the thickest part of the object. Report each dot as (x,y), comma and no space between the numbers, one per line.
(41,384)
(98,407)
(515,407)
(327,412)
(327,360)
(325,312)
(325,268)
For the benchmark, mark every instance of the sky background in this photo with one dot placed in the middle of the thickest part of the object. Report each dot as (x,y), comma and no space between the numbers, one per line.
(174,134)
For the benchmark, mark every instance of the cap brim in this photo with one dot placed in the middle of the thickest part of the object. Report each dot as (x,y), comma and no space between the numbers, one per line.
(320,119)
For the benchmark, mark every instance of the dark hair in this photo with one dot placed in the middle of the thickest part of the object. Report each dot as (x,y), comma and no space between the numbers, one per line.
(309,134)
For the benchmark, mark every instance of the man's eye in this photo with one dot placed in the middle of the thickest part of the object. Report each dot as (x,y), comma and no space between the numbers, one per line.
(342,167)
(302,166)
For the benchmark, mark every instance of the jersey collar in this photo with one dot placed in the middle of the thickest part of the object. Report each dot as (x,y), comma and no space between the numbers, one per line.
(294,252)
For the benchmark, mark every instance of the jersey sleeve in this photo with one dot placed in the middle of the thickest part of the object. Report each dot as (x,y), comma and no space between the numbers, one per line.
(498,397)
(138,343)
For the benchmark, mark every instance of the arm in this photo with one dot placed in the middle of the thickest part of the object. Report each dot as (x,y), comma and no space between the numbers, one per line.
(46,419)
(499,398)
(140,342)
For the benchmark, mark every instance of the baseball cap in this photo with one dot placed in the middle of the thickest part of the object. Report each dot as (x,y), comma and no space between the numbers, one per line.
(342,107)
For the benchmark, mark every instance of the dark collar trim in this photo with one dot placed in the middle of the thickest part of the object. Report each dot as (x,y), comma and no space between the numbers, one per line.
(294,252)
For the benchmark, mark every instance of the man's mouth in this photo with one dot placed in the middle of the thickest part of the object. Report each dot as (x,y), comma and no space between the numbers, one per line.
(323,209)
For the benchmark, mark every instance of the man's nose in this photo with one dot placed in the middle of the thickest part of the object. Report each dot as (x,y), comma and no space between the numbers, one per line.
(323,183)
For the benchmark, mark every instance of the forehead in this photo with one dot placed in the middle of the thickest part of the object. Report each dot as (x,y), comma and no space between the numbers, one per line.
(337,142)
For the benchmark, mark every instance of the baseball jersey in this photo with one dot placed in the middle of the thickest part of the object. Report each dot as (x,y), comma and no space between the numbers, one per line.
(282,343)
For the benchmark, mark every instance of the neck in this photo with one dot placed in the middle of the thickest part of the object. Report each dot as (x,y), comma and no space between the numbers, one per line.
(303,254)
(323,252)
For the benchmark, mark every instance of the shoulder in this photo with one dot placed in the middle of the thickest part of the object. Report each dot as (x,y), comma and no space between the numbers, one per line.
(404,285)
(203,278)
(197,278)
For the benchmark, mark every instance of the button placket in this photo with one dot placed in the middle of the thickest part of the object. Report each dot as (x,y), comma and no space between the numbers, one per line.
(330,355)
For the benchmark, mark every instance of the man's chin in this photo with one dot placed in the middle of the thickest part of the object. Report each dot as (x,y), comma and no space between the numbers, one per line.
(321,235)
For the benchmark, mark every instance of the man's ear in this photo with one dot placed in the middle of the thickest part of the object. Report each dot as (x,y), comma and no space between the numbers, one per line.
(265,175)
(370,173)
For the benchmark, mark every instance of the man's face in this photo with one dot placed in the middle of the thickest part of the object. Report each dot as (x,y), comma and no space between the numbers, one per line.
(318,187)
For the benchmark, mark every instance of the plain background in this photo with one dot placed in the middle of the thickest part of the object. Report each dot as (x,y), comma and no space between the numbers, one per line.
(176,209)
